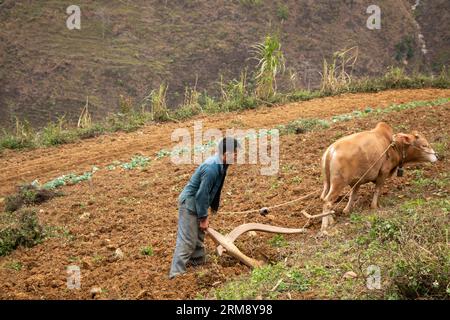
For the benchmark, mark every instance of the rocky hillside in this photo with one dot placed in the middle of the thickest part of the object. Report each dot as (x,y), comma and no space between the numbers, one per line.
(129,47)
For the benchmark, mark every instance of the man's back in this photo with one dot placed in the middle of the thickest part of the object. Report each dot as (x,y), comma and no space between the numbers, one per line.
(203,189)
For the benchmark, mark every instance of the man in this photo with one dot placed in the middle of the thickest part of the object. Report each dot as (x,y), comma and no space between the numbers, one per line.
(201,192)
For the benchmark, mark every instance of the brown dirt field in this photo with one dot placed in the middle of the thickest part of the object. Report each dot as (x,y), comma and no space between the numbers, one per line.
(133,209)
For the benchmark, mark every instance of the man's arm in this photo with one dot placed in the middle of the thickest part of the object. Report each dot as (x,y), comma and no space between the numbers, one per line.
(216,201)
(202,196)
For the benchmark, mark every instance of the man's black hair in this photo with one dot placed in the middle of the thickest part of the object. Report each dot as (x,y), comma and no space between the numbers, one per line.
(228,144)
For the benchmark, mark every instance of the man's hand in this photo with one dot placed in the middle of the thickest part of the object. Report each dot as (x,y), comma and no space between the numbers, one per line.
(204,224)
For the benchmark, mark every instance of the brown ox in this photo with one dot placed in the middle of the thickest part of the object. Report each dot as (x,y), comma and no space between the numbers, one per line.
(358,155)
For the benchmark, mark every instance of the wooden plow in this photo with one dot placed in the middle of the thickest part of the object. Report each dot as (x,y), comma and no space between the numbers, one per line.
(226,243)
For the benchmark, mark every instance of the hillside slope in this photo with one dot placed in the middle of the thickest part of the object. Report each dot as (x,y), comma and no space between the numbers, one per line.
(129,47)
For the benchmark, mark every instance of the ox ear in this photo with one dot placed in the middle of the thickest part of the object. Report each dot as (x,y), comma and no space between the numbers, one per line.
(405,138)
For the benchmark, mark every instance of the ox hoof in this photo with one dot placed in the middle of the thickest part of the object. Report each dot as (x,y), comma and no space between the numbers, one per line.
(322,234)
(326,222)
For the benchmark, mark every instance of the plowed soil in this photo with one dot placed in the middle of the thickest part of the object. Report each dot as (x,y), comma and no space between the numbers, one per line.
(138,208)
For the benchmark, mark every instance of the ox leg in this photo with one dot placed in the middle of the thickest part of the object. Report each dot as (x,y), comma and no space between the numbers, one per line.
(351,200)
(330,199)
(326,222)
(378,185)
(326,176)
(326,189)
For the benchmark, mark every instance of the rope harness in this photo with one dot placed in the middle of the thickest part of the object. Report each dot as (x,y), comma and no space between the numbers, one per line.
(265,210)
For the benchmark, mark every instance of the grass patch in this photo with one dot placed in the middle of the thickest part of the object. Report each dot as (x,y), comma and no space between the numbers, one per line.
(28,195)
(422,264)
(409,242)
(54,134)
(251,3)
(421,183)
(14,265)
(282,12)
(278,241)
(303,95)
(264,282)
(21,228)
(10,141)
(440,147)
(147,251)
(384,229)
(303,125)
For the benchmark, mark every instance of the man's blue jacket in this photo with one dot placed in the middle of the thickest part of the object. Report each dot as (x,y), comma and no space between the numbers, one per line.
(204,188)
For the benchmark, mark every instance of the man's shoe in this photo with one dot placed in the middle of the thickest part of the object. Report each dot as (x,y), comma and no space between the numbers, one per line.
(194,262)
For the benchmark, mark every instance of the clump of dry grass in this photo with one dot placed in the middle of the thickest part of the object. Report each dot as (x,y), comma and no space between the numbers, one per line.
(159,111)
(337,75)
(85,120)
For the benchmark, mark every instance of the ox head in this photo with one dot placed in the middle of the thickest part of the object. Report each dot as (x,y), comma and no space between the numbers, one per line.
(417,148)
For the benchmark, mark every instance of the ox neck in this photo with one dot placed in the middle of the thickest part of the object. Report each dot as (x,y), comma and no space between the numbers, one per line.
(402,151)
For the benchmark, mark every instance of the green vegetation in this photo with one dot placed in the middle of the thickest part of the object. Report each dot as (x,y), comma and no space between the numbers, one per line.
(22,137)
(136,162)
(54,134)
(147,251)
(396,78)
(384,229)
(271,61)
(421,183)
(404,50)
(235,95)
(97,258)
(392,108)
(265,282)
(28,195)
(422,267)
(251,3)
(441,147)
(414,262)
(59,232)
(282,12)
(20,228)
(69,179)
(303,125)
(278,241)
(14,265)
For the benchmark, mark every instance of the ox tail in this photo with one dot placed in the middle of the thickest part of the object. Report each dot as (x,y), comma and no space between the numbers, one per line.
(326,173)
